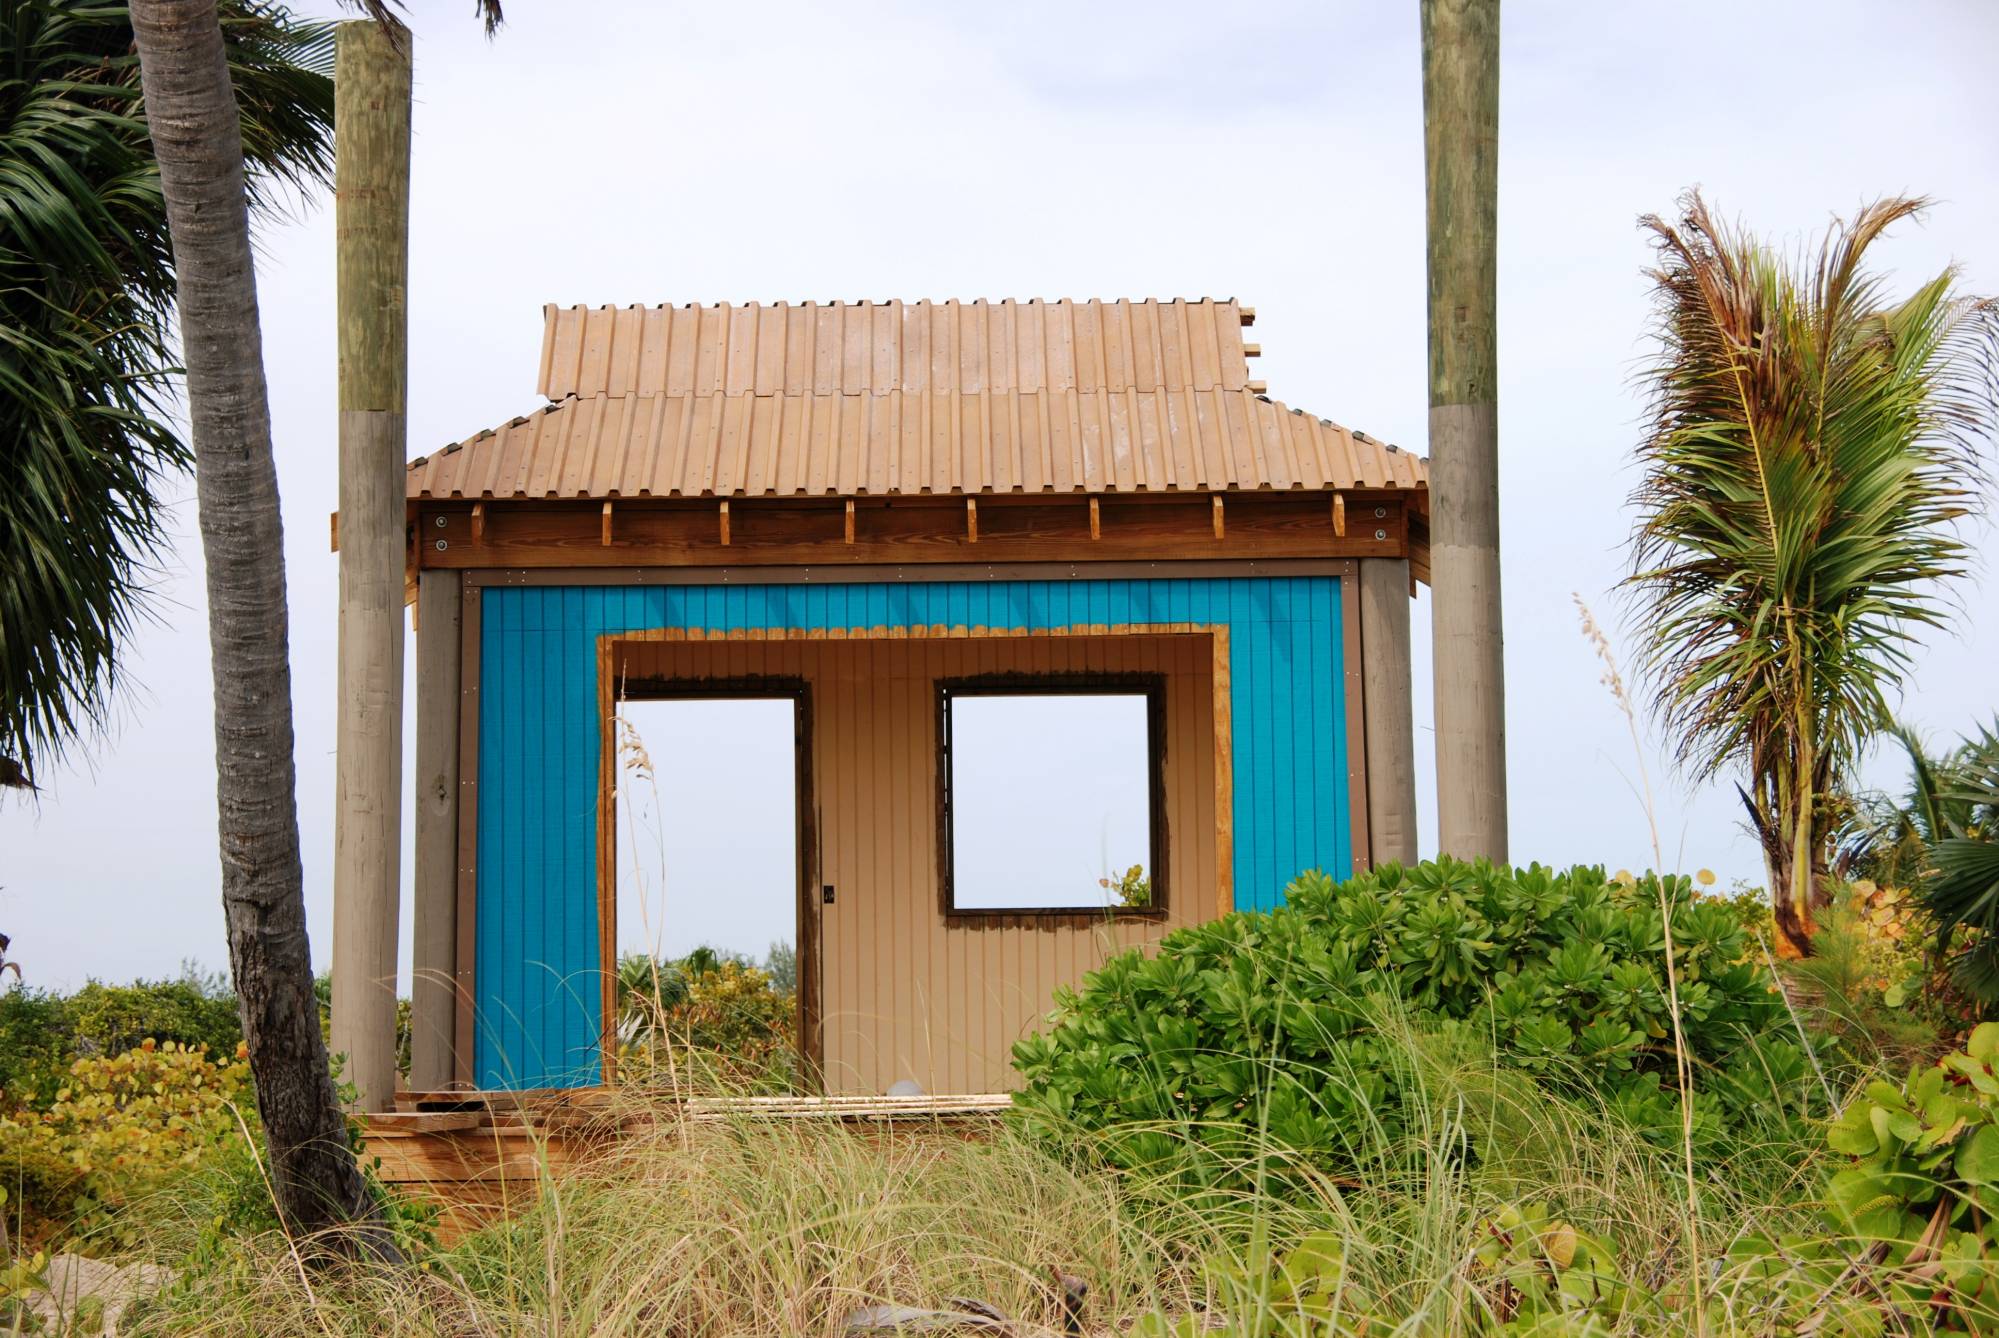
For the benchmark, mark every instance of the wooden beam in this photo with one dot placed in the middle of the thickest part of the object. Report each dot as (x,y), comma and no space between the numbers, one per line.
(1339,515)
(850,520)
(333,523)
(1257,387)
(1248,315)
(971,520)
(827,533)
(371,230)
(434,944)
(606,540)
(478,522)
(1252,350)
(722,522)
(1387,710)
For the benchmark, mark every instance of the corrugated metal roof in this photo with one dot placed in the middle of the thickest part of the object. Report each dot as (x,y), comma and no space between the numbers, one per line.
(878,399)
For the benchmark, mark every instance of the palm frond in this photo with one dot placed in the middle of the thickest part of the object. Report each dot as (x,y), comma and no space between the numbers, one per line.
(86,283)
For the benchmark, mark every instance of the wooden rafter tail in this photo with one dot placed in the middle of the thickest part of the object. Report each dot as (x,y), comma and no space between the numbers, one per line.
(722,521)
(850,520)
(1096,520)
(971,520)
(334,526)
(1221,526)
(478,522)
(606,538)
(1339,515)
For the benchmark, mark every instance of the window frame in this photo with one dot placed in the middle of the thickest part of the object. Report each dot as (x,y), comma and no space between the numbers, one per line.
(1150,686)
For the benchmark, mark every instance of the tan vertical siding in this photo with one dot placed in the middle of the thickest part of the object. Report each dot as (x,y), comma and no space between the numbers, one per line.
(906,992)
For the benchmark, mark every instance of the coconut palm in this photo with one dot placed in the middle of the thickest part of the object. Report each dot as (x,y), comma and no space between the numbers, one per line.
(86,283)
(1811,444)
(193,110)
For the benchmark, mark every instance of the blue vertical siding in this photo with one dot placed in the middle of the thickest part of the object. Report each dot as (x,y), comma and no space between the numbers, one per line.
(537,991)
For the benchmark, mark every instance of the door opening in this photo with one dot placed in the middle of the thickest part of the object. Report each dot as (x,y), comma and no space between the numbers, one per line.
(715,985)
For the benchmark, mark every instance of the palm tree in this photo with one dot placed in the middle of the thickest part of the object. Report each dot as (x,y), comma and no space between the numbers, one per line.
(1811,444)
(86,284)
(192,109)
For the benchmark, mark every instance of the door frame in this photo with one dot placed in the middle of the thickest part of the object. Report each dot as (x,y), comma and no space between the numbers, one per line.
(798,691)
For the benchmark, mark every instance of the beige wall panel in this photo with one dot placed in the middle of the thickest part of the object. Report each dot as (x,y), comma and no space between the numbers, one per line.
(908,993)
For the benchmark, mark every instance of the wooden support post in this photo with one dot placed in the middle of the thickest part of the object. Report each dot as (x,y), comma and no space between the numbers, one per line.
(1096,520)
(971,520)
(434,949)
(371,226)
(1387,710)
(1221,528)
(605,537)
(722,522)
(1461,143)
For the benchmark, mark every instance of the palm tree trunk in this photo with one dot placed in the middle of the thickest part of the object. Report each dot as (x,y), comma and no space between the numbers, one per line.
(191,110)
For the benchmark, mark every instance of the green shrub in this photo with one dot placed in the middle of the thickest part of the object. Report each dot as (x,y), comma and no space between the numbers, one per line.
(42,1033)
(34,1042)
(1257,1039)
(111,1019)
(116,1130)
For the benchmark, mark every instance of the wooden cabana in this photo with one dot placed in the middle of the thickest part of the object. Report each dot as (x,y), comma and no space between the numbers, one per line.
(865,507)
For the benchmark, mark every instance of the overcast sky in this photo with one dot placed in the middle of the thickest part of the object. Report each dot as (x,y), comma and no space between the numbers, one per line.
(663,152)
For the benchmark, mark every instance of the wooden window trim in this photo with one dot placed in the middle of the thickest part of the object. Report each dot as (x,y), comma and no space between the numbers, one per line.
(1152,687)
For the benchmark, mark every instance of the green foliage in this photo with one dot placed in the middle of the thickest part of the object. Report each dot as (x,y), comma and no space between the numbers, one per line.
(86,286)
(707,1018)
(1963,893)
(111,1019)
(119,1128)
(1909,1243)
(1130,888)
(1254,1042)
(41,1033)
(1270,1294)
(1812,442)
(34,1040)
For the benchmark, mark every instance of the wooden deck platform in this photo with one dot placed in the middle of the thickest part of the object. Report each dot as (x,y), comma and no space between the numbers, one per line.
(483,1155)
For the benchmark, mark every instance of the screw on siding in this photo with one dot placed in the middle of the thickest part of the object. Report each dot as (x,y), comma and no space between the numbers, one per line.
(440,522)
(1379,513)
(1379,534)
(442,545)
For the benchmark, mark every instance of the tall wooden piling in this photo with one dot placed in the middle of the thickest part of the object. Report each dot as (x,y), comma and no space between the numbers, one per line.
(371,219)
(1461,159)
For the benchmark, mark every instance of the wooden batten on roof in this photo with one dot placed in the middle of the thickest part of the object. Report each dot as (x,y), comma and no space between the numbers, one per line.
(1024,403)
